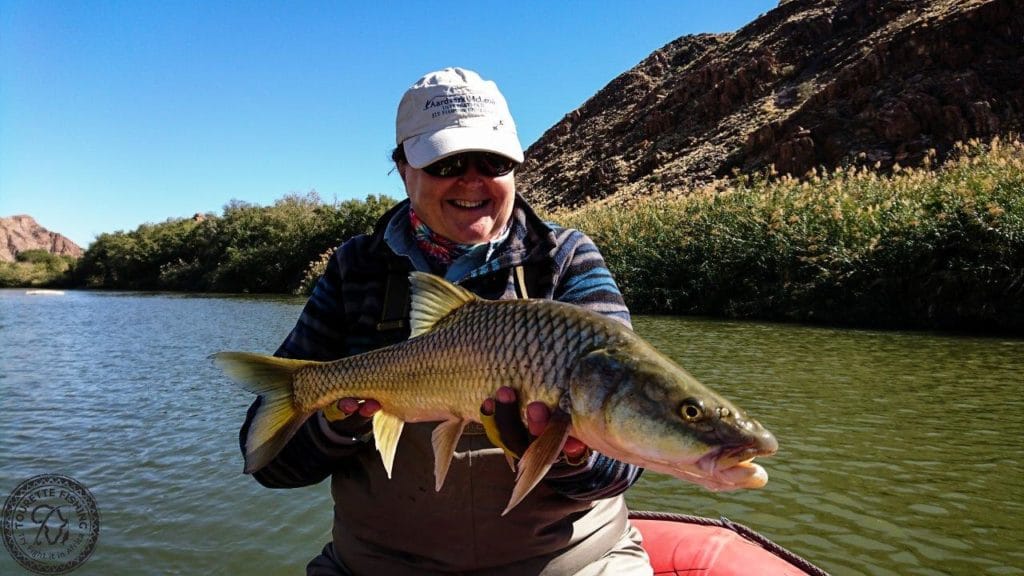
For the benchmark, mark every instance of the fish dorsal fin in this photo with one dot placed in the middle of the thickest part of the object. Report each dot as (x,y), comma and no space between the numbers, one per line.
(433,298)
(445,437)
(387,429)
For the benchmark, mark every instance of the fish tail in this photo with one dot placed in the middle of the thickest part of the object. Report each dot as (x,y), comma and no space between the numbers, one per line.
(277,418)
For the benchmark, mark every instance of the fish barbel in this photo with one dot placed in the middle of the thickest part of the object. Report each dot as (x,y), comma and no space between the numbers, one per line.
(623,398)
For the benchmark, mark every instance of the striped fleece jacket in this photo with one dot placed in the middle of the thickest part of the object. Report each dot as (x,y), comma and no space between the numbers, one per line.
(348,313)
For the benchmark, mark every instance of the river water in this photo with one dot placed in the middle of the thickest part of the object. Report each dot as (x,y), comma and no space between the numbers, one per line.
(901,453)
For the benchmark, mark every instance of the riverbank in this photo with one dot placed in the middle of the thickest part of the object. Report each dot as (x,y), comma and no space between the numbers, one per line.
(925,248)
(36,269)
(937,247)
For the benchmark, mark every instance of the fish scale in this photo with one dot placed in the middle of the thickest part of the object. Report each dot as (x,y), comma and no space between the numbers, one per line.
(614,391)
(456,365)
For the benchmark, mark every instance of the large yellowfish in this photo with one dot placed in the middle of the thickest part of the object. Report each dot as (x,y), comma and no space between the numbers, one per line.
(606,386)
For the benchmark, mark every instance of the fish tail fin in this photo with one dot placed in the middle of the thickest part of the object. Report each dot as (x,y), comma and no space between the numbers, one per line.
(276,419)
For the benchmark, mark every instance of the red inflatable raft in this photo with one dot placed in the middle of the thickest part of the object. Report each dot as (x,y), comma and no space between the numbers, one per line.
(694,546)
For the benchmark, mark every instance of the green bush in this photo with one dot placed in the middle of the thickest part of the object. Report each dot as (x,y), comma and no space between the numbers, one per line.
(36,256)
(36,268)
(248,248)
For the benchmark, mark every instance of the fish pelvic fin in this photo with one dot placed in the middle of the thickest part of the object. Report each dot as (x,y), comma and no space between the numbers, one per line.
(539,457)
(494,435)
(433,298)
(277,419)
(444,439)
(387,429)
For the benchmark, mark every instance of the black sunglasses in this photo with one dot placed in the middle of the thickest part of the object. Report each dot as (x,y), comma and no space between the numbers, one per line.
(487,163)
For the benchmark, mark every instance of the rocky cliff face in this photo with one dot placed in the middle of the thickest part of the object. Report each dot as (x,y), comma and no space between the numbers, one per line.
(20,233)
(811,83)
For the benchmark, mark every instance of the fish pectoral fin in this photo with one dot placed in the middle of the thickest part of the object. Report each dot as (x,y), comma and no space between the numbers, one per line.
(387,429)
(539,457)
(444,439)
(511,460)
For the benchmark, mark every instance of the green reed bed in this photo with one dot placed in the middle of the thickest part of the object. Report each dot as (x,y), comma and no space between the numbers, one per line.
(939,247)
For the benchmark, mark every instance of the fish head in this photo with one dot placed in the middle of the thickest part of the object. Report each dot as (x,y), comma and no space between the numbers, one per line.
(637,406)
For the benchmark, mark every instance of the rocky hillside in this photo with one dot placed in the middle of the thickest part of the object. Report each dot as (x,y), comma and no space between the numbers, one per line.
(811,83)
(20,233)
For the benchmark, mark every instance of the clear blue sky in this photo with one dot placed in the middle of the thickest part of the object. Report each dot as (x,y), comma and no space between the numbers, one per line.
(117,113)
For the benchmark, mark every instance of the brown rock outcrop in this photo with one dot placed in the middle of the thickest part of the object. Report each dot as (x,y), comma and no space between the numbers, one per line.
(811,83)
(22,232)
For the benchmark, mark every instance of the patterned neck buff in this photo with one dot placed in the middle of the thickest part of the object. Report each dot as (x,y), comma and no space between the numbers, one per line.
(440,251)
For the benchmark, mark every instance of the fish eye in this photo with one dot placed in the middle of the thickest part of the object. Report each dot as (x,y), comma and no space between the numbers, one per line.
(691,410)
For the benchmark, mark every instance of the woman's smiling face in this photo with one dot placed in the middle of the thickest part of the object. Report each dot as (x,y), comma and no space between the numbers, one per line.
(468,209)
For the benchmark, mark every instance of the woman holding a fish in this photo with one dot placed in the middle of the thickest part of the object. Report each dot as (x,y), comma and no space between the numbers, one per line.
(463,221)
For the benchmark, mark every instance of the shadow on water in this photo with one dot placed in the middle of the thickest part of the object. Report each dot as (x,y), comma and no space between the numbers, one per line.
(900,452)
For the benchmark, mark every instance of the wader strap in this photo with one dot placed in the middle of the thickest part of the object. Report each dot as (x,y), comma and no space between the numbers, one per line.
(395,313)
(521,292)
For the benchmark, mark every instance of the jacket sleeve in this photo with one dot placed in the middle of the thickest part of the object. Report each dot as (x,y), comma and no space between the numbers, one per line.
(583,278)
(312,454)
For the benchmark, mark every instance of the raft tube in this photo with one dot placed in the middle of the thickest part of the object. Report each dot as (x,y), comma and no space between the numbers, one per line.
(695,546)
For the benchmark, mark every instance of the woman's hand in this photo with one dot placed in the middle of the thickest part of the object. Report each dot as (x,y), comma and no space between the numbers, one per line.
(351,416)
(504,408)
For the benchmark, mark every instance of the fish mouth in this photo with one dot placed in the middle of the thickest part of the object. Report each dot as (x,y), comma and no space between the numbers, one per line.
(732,467)
(727,456)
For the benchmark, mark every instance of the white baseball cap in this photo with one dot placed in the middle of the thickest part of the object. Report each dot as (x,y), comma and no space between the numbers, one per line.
(454,110)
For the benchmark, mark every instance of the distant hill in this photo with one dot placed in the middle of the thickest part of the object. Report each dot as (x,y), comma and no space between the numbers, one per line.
(811,83)
(21,232)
